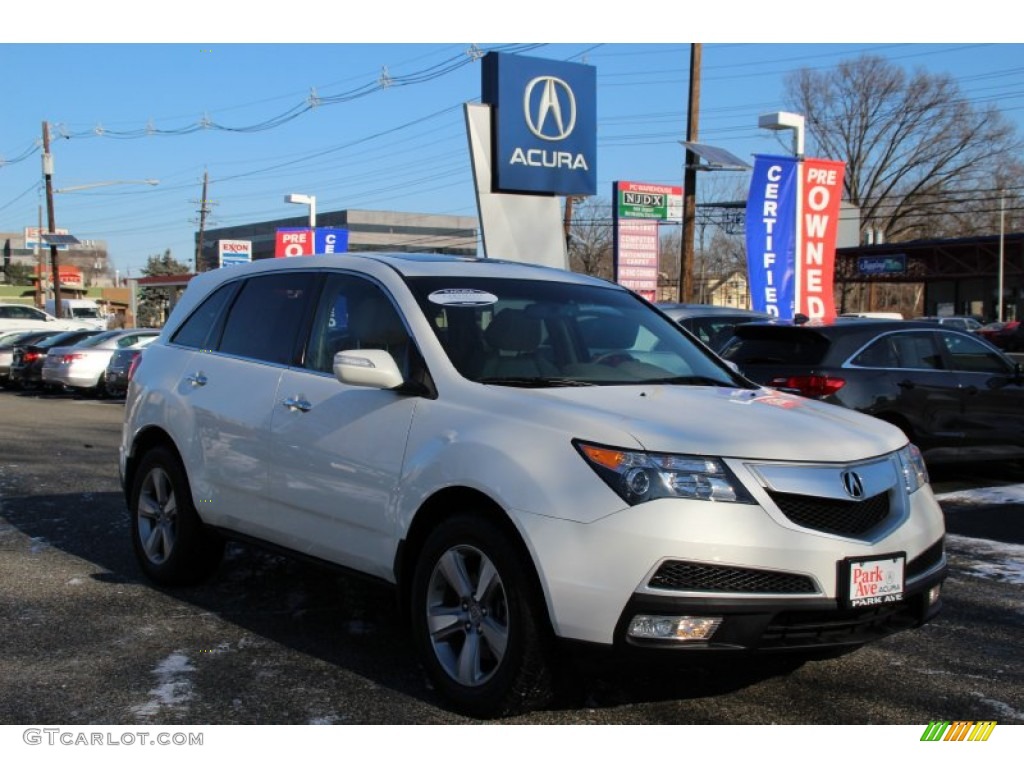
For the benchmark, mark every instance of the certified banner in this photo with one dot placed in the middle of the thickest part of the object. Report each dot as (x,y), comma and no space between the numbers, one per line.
(771,234)
(820,195)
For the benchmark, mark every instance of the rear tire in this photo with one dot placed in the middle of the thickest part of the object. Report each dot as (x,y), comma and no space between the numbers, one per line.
(478,620)
(173,546)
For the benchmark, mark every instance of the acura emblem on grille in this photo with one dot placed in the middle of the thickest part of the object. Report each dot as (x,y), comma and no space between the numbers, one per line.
(853,485)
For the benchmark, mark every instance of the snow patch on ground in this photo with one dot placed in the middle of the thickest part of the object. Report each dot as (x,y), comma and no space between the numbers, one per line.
(988,559)
(1000,494)
(174,686)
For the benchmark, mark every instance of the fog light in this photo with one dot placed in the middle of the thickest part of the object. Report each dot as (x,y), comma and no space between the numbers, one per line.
(934,593)
(682,628)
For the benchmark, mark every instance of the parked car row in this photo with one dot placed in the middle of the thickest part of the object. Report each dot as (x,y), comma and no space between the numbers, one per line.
(85,361)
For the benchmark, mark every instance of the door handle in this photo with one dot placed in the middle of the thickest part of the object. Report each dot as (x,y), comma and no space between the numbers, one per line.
(197,379)
(296,404)
(906,384)
(971,389)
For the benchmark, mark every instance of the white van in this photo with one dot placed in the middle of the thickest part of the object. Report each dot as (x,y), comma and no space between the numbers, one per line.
(86,312)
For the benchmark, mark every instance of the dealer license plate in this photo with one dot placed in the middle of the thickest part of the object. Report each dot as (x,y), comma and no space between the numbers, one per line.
(875,581)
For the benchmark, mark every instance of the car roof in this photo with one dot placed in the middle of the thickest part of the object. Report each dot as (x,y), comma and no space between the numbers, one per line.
(377,263)
(677,310)
(847,326)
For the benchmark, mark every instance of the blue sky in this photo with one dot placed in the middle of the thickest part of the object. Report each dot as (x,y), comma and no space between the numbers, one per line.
(400,147)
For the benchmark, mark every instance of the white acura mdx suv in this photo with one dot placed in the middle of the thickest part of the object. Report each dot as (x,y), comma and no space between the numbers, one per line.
(531,457)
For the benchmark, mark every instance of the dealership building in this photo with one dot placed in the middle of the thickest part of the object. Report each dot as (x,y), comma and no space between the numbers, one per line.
(367,231)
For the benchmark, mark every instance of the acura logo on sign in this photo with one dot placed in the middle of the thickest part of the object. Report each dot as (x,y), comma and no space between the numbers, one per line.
(553,117)
(853,484)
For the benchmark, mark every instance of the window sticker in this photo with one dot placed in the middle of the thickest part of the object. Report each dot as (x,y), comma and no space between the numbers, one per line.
(462,297)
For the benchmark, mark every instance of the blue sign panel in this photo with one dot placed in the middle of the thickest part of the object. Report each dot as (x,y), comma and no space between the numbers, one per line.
(771,235)
(544,123)
(895,264)
(327,240)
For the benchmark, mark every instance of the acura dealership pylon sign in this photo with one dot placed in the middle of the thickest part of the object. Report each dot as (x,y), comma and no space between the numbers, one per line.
(545,129)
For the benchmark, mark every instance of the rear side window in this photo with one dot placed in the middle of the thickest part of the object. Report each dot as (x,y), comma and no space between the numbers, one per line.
(917,351)
(202,329)
(265,320)
(773,348)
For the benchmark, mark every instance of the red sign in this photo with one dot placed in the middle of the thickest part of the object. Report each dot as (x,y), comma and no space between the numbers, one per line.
(821,192)
(69,276)
(636,256)
(293,242)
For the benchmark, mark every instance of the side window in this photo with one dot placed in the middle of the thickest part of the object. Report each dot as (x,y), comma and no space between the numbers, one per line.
(23,313)
(881,353)
(202,329)
(971,355)
(265,320)
(916,351)
(354,313)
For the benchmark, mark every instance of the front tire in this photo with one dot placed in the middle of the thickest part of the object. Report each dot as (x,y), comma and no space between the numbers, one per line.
(171,543)
(478,620)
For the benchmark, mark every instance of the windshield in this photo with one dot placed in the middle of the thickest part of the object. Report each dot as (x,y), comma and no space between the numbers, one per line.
(85,312)
(98,339)
(540,333)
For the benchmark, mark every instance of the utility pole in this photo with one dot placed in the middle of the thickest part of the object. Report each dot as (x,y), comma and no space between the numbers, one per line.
(204,209)
(567,222)
(50,223)
(40,262)
(690,180)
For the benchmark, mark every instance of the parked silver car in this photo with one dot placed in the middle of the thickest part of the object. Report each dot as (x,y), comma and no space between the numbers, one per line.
(81,367)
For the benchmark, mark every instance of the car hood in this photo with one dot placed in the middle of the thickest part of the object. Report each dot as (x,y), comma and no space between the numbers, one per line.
(719,421)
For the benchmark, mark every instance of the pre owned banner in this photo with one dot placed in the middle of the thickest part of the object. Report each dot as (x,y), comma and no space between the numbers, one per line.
(771,234)
(821,192)
(293,242)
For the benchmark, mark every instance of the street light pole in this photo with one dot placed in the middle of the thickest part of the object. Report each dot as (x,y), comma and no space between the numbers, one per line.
(309,200)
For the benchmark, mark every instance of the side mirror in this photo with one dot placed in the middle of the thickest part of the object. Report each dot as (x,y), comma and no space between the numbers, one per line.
(367,368)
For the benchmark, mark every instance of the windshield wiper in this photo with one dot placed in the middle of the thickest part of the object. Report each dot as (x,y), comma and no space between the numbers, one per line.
(697,381)
(534,381)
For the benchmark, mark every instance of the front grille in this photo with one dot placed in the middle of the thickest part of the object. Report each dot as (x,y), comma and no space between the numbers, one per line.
(856,625)
(845,518)
(926,560)
(700,577)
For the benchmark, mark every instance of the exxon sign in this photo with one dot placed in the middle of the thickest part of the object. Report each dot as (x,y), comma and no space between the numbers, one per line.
(544,123)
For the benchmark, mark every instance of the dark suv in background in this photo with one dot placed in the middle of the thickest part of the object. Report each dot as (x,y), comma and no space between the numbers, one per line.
(954,395)
(711,324)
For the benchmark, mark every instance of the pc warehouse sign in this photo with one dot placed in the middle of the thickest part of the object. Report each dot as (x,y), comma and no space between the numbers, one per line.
(545,124)
(636,200)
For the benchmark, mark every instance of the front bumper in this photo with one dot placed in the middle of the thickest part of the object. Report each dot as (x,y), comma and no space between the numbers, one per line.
(597,576)
(787,624)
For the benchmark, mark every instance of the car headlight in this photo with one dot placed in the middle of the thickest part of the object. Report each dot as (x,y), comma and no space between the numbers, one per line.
(915,473)
(639,476)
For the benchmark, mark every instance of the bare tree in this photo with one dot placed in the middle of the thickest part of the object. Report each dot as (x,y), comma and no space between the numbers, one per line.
(921,160)
(590,242)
